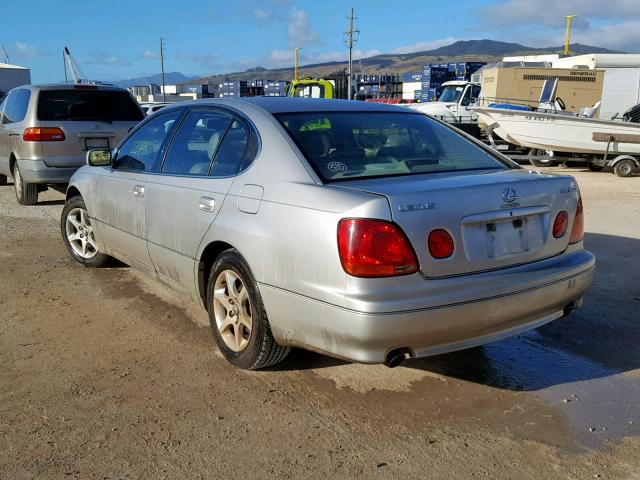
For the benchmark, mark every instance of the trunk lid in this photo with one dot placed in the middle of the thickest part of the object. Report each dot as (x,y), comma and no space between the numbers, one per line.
(496,219)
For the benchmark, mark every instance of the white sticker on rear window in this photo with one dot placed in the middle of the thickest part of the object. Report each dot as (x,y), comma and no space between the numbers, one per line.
(337,167)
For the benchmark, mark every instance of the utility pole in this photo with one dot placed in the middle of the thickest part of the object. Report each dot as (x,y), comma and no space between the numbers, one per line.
(350,39)
(6,55)
(164,94)
(568,39)
(295,64)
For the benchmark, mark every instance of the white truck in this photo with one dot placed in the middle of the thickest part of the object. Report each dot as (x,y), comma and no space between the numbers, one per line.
(454,102)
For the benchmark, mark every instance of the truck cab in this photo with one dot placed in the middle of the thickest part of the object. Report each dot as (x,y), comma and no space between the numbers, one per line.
(311,88)
(454,102)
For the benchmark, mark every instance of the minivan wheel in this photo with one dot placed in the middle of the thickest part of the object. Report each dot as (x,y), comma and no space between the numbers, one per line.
(238,319)
(26,193)
(78,236)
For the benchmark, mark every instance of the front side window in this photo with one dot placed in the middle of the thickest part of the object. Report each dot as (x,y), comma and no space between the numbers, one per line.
(16,106)
(196,142)
(144,148)
(87,105)
(354,145)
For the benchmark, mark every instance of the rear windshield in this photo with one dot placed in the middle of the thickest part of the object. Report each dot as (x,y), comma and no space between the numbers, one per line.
(350,145)
(89,105)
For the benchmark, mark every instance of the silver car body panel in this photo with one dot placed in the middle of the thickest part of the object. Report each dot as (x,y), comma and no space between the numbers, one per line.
(283,220)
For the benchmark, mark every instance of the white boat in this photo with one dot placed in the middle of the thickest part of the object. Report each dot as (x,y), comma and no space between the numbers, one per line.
(561,132)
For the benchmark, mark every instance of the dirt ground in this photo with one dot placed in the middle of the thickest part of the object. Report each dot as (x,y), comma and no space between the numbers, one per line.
(106,374)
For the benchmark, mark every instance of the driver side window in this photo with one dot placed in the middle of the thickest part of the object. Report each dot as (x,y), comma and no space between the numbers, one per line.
(143,150)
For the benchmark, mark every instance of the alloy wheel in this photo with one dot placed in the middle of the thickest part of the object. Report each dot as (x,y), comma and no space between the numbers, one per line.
(80,233)
(232,310)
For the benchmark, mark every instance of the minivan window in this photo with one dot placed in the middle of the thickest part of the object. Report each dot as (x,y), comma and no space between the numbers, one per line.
(16,106)
(350,145)
(87,105)
(143,149)
(196,142)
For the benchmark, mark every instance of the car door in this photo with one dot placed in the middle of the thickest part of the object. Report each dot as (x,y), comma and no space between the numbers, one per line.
(4,138)
(206,153)
(122,191)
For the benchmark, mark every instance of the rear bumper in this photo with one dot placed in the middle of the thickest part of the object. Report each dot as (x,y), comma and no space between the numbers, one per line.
(35,171)
(368,337)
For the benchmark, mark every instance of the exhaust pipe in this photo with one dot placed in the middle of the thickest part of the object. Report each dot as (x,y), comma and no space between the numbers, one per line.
(571,307)
(396,357)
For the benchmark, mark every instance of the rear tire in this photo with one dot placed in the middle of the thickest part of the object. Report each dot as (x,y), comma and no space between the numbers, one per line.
(238,319)
(26,193)
(624,168)
(77,234)
(534,152)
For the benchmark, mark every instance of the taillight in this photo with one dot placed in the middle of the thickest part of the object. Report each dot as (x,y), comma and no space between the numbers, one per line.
(36,134)
(374,248)
(577,231)
(560,224)
(440,243)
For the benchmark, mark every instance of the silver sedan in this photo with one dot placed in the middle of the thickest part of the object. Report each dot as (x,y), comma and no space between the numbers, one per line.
(363,231)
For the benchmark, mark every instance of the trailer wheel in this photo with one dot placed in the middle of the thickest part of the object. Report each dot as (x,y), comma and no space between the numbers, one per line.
(595,168)
(535,152)
(624,168)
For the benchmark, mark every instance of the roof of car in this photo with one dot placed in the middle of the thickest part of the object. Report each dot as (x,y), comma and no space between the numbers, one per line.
(71,86)
(289,104)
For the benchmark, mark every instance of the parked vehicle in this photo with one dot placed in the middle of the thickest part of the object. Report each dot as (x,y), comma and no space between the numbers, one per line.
(46,131)
(454,102)
(365,231)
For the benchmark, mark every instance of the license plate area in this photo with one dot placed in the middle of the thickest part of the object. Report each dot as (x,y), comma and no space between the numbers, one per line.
(91,143)
(503,235)
(507,237)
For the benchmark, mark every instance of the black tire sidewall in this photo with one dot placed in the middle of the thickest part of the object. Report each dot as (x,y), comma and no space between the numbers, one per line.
(97,260)
(247,358)
(620,165)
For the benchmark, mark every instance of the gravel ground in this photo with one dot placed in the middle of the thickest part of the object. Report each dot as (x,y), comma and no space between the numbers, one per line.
(107,374)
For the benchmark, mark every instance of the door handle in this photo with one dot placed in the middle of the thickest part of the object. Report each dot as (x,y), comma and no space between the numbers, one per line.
(138,191)
(207,204)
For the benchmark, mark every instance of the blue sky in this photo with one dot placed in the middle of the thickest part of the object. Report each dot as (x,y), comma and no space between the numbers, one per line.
(113,40)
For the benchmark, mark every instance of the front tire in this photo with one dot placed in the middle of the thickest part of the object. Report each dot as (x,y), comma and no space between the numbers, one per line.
(624,168)
(78,236)
(238,319)
(26,193)
(534,152)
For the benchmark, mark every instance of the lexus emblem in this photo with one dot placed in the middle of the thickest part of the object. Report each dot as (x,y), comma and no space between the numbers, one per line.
(509,195)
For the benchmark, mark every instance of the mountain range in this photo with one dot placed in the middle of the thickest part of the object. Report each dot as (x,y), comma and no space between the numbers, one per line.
(464,50)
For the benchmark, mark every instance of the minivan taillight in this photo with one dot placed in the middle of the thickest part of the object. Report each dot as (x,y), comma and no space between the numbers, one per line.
(37,134)
(374,248)
(577,231)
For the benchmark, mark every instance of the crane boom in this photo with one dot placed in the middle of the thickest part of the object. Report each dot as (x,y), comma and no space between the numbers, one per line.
(75,73)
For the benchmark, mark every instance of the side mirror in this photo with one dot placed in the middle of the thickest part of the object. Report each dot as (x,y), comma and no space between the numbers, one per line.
(473,101)
(99,158)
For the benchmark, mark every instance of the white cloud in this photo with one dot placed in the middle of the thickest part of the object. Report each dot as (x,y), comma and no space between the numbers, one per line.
(102,57)
(202,59)
(261,15)
(26,51)
(150,55)
(423,46)
(300,32)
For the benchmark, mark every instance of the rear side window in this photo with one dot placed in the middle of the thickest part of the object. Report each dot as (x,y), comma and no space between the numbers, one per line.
(143,149)
(196,142)
(350,145)
(232,152)
(87,105)
(16,106)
